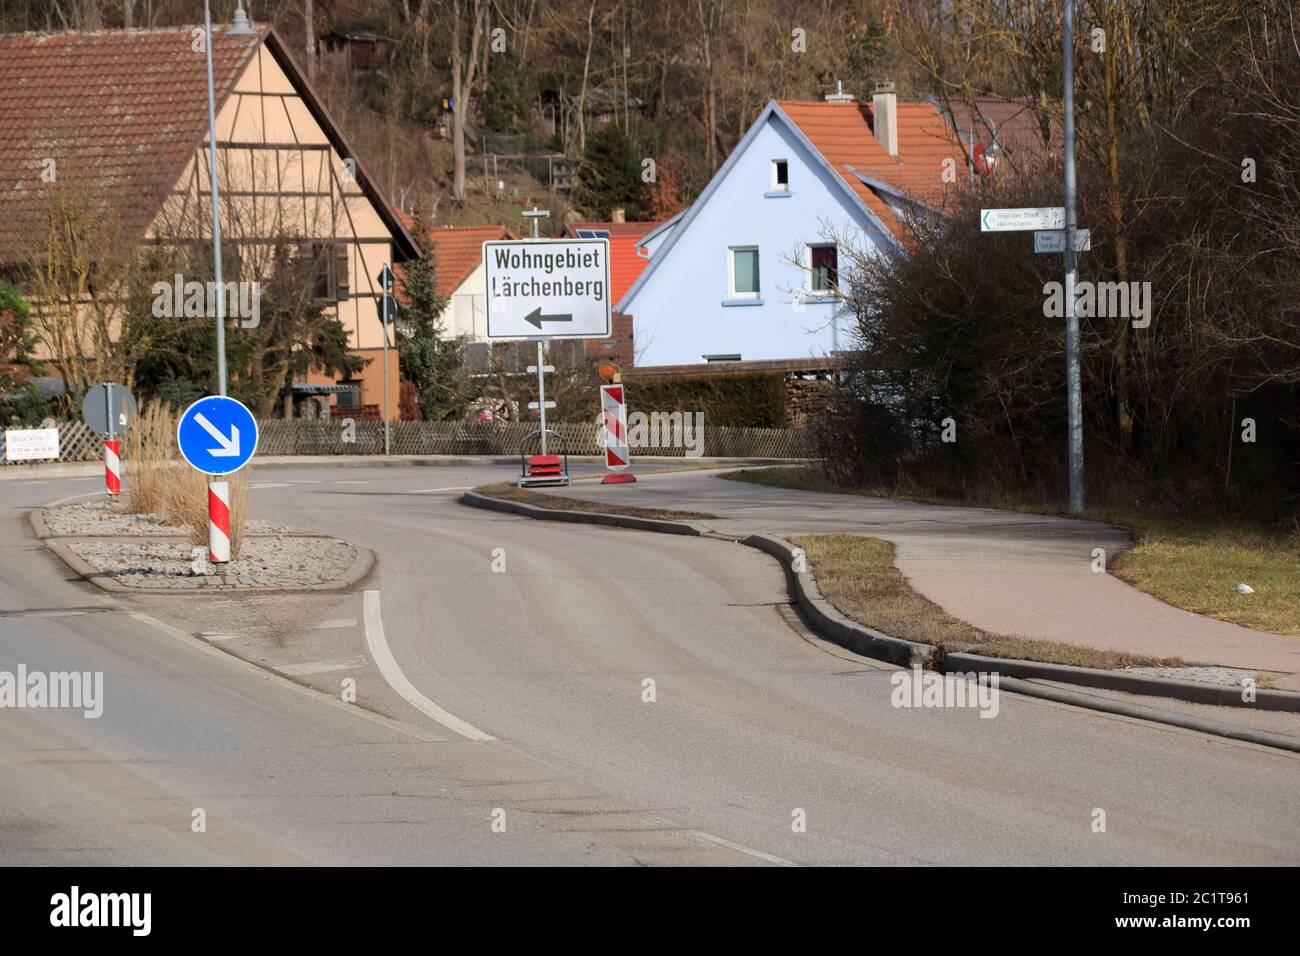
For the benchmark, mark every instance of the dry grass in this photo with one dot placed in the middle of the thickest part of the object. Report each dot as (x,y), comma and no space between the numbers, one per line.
(508,491)
(159,483)
(1195,565)
(857,576)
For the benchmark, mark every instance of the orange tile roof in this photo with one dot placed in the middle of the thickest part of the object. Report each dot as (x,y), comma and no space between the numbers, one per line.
(625,265)
(842,133)
(458,250)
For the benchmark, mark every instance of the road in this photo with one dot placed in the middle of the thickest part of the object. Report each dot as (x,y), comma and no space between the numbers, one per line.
(755,725)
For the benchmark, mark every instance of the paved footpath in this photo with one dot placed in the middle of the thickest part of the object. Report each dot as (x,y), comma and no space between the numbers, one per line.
(1000,570)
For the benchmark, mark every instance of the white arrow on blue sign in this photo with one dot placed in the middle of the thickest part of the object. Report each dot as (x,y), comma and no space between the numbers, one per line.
(217,435)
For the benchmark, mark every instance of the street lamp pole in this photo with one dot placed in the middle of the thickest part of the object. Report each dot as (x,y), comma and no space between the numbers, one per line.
(216,212)
(1074,388)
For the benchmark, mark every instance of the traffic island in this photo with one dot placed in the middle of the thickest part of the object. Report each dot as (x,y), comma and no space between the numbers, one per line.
(119,551)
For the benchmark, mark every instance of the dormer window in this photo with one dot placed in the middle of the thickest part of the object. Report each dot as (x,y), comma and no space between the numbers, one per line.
(780,176)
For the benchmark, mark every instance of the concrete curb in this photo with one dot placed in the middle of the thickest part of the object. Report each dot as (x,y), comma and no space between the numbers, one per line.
(1264,738)
(834,626)
(690,528)
(828,621)
(1196,692)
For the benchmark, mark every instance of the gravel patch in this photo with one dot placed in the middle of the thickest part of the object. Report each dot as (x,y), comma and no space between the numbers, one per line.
(1232,676)
(93,519)
(296,561)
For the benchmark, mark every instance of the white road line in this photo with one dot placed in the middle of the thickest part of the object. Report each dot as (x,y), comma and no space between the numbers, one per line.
(338,622)
(351,482)
(269,484)
(212,636)
(757,854)
(322,667)
(387,664)
(429,491)
(53,613)
(304,481)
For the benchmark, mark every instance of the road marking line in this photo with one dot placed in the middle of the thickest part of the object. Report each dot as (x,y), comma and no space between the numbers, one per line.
(269,484)
(757,854)
(338,622)
(387,664)
(280,680)
(351,482)
(217,637)
(429,491)
(322,667)
(53,613)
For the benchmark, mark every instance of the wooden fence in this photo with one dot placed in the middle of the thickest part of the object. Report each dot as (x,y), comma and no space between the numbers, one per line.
(303,437)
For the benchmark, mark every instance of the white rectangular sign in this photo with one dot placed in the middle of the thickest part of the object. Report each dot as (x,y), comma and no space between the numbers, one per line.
(1054,240)
(1019,220)
(547,288)
(30,444)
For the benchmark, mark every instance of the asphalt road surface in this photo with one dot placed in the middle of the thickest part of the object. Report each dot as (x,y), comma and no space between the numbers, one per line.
(519,728)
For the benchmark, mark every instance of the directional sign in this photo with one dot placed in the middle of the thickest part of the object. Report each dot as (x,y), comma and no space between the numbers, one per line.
(1020,220)
(1054,240)
(385,278)
(547,288)
(108,408)
(217,435)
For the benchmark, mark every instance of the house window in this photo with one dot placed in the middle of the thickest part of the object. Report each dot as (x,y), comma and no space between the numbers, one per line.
(744,272)
(780,176)
(325,270)
(823,268)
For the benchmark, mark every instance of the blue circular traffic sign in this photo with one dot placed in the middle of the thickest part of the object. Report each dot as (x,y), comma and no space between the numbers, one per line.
(217,435)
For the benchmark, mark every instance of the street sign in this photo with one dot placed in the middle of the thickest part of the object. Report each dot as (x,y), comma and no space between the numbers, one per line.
(217,435)
(1021,220)
(31,444)
(547,288)
(385,278)
(108,408)
(1054,240)
(388,309)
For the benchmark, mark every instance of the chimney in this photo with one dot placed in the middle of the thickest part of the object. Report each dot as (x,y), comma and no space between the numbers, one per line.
(884,112)
(618,214)
(839,96)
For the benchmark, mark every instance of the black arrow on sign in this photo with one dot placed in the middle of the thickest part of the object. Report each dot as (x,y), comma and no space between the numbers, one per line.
(535,318)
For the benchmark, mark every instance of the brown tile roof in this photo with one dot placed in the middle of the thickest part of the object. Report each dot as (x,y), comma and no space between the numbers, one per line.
(119,113)
(1017,123)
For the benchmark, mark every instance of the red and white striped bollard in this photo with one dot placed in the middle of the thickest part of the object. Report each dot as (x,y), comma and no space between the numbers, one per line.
(112,467)
(218,521)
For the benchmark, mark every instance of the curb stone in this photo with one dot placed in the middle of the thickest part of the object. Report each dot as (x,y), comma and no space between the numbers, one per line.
(690,528)
(871,643)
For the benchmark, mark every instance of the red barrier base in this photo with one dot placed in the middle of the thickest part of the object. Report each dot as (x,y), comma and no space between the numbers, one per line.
(620,478)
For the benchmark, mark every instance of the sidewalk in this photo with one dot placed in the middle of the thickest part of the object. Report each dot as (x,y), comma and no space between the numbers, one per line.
(1023,574)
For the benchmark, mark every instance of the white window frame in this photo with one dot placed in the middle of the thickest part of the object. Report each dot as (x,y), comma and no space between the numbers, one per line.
(731,273)
(808,268)
(779,187)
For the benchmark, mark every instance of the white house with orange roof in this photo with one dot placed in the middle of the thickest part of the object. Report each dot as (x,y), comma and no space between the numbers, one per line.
(750,272)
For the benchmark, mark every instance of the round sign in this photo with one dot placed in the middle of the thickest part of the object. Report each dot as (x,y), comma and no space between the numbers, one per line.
(108,408)
(217,435)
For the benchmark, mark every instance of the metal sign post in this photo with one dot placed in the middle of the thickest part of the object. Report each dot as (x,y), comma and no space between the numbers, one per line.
(1074,389)
(386,303)
(108,408)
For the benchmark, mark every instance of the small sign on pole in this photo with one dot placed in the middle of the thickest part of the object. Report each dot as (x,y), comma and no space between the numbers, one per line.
(109,408)
(547,288)
(1022,220)
(1053,240)
(217,435)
